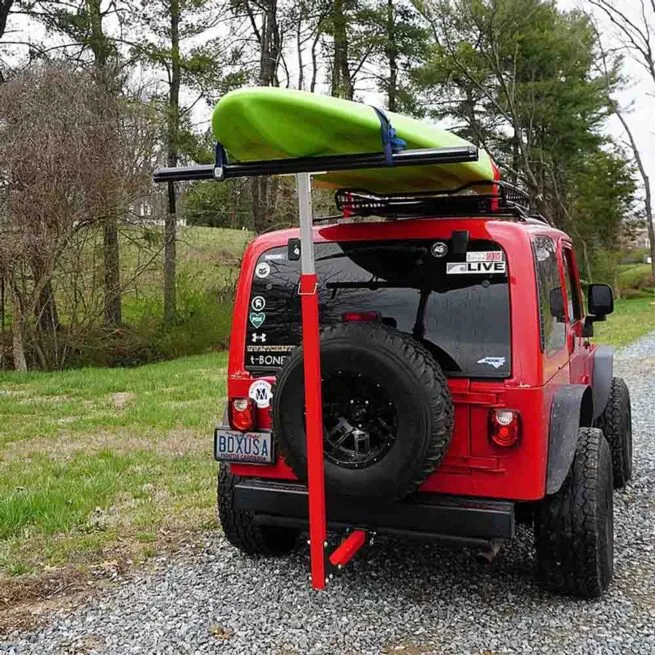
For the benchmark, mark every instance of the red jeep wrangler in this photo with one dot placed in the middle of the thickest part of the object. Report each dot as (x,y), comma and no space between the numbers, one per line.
(460,389)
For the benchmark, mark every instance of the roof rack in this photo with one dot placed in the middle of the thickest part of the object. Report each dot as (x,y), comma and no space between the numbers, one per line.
(498,199)
(223,170)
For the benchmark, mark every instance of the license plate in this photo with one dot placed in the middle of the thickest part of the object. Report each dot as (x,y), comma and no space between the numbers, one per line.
(235,446)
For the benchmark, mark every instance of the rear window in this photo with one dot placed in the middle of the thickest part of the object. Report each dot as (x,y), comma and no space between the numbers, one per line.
(458,305)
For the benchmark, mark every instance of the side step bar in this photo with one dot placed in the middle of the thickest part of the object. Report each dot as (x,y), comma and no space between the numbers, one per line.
(424,516)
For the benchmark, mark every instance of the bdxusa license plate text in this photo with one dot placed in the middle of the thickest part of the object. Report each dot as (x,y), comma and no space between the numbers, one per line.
(235,446)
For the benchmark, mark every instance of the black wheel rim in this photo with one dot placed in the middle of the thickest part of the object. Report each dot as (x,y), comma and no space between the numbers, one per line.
(360,419)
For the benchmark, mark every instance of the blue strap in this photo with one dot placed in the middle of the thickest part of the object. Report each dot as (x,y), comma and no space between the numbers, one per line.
(391,142)
(220,159)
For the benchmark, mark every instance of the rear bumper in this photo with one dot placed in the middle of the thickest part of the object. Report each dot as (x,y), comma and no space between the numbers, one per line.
(424,516)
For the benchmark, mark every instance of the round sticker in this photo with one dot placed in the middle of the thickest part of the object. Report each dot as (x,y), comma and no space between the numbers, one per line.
(439,249)
(262,270)
(260,392)
(258,303)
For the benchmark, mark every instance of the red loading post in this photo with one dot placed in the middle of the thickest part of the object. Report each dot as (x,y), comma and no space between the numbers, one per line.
(313,401)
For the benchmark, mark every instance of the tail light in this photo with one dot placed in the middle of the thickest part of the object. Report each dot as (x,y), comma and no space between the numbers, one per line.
(242,414)
(504,427)
(360,316)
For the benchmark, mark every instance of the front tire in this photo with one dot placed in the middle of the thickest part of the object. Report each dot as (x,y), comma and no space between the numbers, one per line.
(574,528)
(616,424)
(240,527)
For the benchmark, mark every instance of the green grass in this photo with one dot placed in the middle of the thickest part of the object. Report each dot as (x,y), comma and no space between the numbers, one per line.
(95,462)
(634,276)
(631,319)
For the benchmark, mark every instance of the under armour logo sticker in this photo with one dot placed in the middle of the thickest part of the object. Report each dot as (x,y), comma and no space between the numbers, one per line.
(258,337)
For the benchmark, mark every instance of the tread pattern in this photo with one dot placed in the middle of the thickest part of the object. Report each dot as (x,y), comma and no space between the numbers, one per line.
(574,527)
(240,528)
(613,424)
(408,350)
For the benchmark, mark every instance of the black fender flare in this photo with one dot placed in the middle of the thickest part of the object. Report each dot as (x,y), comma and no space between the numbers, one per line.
(601,379)
(571,409)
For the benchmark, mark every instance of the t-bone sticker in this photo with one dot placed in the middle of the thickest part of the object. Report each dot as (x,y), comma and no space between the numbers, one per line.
(257,319)
(474,268)
(258,303)
(261,337)
(266,360)
(485,256)
(260,392)
(439,249)
(262,270)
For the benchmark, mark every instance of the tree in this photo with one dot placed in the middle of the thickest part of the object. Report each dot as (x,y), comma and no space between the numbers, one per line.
(517,77)
(637,33)
(165,35)
(82,22)
(62,162)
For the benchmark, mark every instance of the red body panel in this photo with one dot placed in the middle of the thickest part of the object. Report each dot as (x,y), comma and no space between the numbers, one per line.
(474,466)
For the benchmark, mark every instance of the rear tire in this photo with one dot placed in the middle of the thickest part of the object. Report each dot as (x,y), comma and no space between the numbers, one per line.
(616,424)
(240,527)
(574,528)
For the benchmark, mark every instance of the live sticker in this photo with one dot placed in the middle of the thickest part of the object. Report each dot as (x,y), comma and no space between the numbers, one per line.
(474,268)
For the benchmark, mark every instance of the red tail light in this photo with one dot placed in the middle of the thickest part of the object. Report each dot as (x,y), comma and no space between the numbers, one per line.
(242,414)
(360,316)
(504,427)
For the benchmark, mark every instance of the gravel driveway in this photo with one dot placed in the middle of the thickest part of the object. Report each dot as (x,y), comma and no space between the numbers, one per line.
(394,599)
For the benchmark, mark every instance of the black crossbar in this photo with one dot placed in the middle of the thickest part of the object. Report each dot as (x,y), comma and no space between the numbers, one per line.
(422,157)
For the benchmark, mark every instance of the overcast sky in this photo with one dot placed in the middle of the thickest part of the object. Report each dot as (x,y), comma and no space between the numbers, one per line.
(639,97)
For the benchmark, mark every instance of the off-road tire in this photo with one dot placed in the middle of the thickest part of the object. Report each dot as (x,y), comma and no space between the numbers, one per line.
(574,533)
(616,424)
(415,379)
(240,528)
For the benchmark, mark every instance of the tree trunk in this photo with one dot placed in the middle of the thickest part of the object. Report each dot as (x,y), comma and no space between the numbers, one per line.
(112,273)
(46,310)
(648,198)
(392,58)
(17,347)
(342,86)
(101,48)
(170,226)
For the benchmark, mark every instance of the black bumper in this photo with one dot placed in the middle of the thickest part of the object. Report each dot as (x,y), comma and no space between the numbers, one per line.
(427,516)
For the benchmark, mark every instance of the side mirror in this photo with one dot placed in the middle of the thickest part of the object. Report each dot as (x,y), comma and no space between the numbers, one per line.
(556,301)
(600,300)
(600,303)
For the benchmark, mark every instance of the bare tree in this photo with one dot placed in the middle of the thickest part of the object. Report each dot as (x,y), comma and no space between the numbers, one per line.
(637,33)
(62,167)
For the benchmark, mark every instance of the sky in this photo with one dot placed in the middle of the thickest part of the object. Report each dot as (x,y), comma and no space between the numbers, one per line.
(638,99)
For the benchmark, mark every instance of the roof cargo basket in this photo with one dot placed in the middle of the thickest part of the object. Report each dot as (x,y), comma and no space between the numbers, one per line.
(478,198)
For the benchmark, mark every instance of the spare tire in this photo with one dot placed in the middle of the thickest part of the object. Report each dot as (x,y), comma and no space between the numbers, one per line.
(387,411)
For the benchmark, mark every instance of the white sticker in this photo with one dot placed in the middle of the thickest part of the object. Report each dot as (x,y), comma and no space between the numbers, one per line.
(275,255)
(258,337)
(258,303)
(474,268)
(485,256)
(262,270)
(496,362)
(260,392)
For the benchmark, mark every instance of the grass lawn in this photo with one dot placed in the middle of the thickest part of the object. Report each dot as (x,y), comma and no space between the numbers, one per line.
(103,465)
(631,319)
(99,466)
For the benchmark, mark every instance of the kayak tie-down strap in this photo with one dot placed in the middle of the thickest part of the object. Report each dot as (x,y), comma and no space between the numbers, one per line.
(391,142)
(220,160)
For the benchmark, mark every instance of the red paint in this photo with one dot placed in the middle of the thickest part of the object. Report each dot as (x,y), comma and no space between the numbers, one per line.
(348,548)
(474,466)
(314,421)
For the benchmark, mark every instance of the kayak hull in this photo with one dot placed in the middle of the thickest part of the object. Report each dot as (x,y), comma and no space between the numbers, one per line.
(263,123)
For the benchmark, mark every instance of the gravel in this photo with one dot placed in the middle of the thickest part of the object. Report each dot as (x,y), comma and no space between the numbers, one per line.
(395,598)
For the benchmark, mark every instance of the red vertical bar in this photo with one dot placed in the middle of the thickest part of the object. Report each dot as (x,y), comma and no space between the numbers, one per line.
(314,423)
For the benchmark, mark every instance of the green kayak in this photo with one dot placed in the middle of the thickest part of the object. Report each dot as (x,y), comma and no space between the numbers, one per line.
(270,123)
